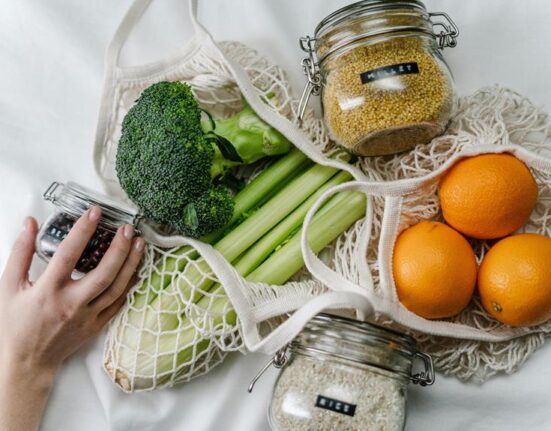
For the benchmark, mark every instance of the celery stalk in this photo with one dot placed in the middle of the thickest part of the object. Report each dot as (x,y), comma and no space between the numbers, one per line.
(255,255)
(275,210)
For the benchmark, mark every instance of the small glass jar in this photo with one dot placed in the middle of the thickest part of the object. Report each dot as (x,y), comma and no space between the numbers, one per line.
(342,374)
(71,201)
(384,84)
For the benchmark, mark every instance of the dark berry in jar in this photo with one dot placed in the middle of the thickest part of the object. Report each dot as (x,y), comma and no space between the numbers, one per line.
(57,229)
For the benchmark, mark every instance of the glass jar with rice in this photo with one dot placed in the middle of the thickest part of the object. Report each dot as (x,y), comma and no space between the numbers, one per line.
(342,374)
(384,84)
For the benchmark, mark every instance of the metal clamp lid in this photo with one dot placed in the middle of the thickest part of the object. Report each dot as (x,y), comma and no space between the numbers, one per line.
(49,194)
(447,37)
(426,377)
(75,199)
(310,67)
(278,361)
(423,378)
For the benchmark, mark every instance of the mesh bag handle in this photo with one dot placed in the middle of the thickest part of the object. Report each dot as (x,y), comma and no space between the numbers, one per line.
(129,21)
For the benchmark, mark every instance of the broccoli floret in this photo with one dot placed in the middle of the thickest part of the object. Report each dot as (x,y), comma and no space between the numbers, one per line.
(170,156)
(209,208)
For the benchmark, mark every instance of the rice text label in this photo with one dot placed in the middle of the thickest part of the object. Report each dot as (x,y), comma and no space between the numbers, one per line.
(335,405)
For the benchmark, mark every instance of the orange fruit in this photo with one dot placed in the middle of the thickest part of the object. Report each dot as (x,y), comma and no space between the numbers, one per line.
(434,270)
(514,280)
(488,196)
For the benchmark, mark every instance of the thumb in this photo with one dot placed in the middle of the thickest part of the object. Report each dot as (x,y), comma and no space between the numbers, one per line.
(19,262)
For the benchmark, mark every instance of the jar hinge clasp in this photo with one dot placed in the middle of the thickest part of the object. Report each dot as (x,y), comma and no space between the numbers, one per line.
(310,68)
(447,38)
(278,361)
(426,377)
(49,193)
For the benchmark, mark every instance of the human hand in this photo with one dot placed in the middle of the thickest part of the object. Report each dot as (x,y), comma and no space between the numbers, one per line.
(44,322)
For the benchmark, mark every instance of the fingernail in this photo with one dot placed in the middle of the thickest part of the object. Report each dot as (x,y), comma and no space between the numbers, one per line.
(26,224)
(139,244)
(94,214)
(128,231)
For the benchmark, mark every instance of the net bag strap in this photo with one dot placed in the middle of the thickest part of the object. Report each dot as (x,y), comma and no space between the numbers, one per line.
(113,70)
(131,18)
(289,129)
(284,333)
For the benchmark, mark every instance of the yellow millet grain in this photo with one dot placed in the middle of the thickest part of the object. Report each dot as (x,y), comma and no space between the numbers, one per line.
(390,114)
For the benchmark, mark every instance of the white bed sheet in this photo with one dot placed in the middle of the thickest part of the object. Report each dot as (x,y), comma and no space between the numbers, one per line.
(51,60)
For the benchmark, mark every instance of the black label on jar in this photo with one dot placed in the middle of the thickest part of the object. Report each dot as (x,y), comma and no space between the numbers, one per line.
(59,228)
(389,71)
(57,233)
(335,405)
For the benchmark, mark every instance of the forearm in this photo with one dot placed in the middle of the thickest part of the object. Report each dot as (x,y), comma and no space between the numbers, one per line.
(24,392)
(43,323)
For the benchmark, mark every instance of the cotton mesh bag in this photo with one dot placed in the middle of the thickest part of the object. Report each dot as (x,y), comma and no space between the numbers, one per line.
(471,345)
(190,306)
(179,322)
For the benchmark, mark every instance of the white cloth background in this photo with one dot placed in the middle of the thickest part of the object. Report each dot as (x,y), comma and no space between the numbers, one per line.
(51,59)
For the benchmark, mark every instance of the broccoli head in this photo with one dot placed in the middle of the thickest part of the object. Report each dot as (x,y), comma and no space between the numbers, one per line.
(171,156)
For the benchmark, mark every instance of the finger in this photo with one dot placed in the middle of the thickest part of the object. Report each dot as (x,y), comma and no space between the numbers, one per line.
(71,248)
(108,313)
(19,262)
(123,279)
(101,277)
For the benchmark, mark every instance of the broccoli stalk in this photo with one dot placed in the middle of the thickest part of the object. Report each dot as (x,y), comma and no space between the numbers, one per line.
(251,138)
(170,159)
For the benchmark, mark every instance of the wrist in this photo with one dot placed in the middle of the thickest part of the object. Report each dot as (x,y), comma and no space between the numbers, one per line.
(24,391)
(22,371)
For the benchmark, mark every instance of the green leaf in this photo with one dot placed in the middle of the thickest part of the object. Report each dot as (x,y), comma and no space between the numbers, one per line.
(190,216)
(226,148)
